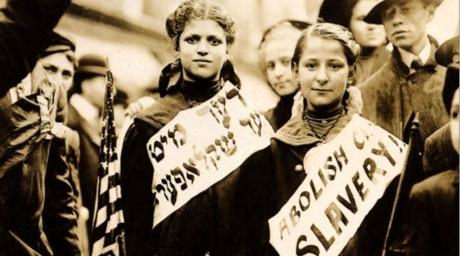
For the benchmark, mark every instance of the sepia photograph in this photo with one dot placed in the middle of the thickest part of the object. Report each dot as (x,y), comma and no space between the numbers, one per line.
(229,128)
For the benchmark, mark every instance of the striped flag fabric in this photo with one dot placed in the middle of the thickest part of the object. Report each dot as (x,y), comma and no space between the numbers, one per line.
(108,223)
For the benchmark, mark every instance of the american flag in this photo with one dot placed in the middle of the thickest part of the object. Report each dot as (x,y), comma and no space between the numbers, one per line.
(108,228)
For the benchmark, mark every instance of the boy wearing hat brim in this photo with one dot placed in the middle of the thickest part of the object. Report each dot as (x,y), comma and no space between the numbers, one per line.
(33,165)
(411,81)
(433,223)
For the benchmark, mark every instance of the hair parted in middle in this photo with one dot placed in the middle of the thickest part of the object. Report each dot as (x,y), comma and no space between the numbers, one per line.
(329,31)
(199,10)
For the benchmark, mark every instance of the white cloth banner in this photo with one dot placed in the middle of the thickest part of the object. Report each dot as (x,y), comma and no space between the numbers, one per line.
(201,146)
(345,178)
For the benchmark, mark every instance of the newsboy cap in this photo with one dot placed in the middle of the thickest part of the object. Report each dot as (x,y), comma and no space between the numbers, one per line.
(447,55)
(375,14)
(92,64)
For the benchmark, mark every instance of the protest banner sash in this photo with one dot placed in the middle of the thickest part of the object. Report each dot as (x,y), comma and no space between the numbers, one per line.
(201,146)
(345,178)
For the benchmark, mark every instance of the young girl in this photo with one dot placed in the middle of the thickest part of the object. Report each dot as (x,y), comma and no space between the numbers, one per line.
(275,51)
(323,65)
(202,33)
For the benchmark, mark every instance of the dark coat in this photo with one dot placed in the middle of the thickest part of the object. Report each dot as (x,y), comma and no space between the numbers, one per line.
(369,64)
(33,170)
(281,113)
(23,158)
(207,223)
(391,94)
(432,227)
(60,212)
(89,158)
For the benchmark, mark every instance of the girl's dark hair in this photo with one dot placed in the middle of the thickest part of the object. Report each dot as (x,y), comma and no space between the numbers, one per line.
(351,48)
(198,9)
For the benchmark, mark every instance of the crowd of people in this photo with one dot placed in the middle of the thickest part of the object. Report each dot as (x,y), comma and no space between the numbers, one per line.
(363,60)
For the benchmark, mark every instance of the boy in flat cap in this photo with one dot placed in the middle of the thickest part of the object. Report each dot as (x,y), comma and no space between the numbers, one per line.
(33,169)
(411,81)
(432,227)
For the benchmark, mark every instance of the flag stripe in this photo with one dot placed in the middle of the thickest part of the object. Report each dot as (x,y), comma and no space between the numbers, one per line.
(108,229)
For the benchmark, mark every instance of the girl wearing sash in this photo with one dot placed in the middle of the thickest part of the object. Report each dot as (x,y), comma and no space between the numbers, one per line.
(323,65)
(201,33)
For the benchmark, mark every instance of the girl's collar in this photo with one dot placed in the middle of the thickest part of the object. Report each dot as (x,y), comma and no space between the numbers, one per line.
(295,132)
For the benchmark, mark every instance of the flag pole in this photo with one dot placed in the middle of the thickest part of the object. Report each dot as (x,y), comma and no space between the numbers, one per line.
(108,227)
(403,185)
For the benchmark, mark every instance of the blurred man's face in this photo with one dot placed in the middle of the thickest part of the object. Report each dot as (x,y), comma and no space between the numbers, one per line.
(366,34)
(93,89)
(454,125)
(57,67)
(405,24)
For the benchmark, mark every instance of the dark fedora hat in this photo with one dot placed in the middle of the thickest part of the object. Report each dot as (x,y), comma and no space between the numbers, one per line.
(448,55)
(375,15)
(92,64)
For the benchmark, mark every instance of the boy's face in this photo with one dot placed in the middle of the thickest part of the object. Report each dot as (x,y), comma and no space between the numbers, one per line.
(405,23)
(454,125)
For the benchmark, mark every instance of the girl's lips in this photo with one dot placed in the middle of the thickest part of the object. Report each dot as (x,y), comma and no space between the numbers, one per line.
(282,83)
(321,90)
(201,60)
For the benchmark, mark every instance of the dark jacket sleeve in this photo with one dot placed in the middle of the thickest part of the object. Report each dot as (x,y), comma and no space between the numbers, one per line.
(24,28)
(60,212)
(137,197)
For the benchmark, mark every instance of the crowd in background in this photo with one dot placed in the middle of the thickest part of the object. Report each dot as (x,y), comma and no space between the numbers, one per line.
(52,101)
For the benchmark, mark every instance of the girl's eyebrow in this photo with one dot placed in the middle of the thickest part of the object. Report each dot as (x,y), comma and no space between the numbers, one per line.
(215,36)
